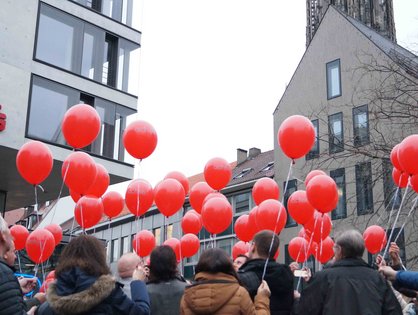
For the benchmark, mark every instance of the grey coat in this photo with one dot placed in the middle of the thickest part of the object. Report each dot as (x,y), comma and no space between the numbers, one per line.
(165,296)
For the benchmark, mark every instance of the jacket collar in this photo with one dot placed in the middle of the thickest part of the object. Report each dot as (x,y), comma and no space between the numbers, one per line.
(350,262)
(12,268)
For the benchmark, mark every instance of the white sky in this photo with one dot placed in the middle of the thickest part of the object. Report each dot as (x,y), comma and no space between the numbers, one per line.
(212,73)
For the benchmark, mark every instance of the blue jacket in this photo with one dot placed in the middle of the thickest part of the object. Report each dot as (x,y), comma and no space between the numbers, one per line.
(76,292)
(407,279)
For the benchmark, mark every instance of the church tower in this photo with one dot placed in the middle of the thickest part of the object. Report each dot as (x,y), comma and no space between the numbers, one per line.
(376,14)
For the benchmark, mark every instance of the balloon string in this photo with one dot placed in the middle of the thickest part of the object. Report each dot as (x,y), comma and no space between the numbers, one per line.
(396,220)
(391,211)
(277,221)
(406,220)
(322,228)
(53,207)
(392,200)
(36,205)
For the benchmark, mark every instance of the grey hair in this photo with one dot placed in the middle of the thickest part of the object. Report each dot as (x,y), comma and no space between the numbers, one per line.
(3,225)
(351,243)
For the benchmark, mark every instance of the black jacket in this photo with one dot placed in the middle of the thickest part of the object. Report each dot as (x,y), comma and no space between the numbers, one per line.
(278,277)
(11,297)
(348,287)
(78,293)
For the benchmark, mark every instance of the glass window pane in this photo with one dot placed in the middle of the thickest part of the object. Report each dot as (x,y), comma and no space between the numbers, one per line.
(169,231)
(392,194)
(157,235)
(333,79)
(128,67)
(361,125)
(341,210)
(291,188)
(242,202)
(314,152)
(364,188)
(115,250)
(125,245)
(104,142)
(336,133)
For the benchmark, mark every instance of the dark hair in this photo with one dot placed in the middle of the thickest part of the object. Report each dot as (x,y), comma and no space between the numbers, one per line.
(351,243)
(85,252)
(215,260)
(163,264)
(262,242)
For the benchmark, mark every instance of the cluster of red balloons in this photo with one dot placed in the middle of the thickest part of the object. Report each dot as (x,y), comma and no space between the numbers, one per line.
(403,157)
(39,244)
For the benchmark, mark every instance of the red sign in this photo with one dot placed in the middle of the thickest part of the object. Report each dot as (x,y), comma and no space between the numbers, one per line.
(2,121)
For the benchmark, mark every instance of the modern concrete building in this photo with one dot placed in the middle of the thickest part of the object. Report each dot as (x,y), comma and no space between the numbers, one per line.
(55,54)
(359,88)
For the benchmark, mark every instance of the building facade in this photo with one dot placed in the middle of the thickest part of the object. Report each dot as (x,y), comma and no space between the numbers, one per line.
(358,87)
(56,54)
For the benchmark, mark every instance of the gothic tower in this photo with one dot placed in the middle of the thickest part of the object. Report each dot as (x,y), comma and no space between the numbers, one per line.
(376,14)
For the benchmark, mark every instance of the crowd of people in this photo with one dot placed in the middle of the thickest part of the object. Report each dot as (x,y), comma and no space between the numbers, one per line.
(251,284)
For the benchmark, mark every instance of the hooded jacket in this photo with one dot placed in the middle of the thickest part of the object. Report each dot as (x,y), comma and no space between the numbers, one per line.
(11,296)
(220,294)
(278,277)
(75,292)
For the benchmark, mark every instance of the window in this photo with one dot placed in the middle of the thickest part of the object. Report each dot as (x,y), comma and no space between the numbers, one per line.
(364,188)
(242,202)
(225,244)
(361,125)
(341,211)
(126,245)
(268,167)
(169,231)
(72,44)
(291,188)
(54,99)
(336,133)
(392,195)
(115,250)
(314,153)
(243,173)
(333,79)
(157,235)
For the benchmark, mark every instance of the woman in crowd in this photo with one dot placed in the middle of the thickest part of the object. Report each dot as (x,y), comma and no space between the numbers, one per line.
(165,286)
(217,290)
(85,285)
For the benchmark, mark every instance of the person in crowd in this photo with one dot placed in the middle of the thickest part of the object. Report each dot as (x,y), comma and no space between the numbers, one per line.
(127,264)
(349,286)
(239,261)
(11,290)
(411,308)
(84,284)
(401,278)
(278,276)
(165,286)
(217,290)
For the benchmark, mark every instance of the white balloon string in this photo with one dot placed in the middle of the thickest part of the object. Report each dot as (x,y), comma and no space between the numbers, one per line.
(392,200)
(406,219)
(36,205)
(396,220)
(53,207)
(277,221)
(322,228)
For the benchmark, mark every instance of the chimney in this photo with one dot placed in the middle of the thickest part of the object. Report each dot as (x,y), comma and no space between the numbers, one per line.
(241,156)
(254,152)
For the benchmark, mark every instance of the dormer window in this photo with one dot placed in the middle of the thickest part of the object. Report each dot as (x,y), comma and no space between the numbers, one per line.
(244,172)
(268,167)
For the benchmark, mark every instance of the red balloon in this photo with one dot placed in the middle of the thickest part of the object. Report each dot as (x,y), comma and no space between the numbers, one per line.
(175,245)
(242,230)
(324,250)
(299,207)
(51,275)
(44,287)
(20,235)
(252,222)
(400,178)
(296,136)
(169,196)
(81,125)
(113,204)
(143,243)
(302,233)
(312,174)
(240,248)
(394,157)
(217,173)
(56,231)
(78,172)
(100,183)
(139,196)
(271,215)
(40,245)
(88,211)
(374,239)
(191,223)
(75,196)
(322,193)
(265,188)
(408,155)
(214,194)
(413,180)
(184,181)
(34,162)
(319,227)
(198,194)
(190,245)
(216,215)
(298,249)
(140,139)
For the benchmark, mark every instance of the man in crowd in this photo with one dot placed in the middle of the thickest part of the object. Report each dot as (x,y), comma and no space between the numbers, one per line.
(126,267)
(239,261)
(11,295)
(278,277)
(349,286)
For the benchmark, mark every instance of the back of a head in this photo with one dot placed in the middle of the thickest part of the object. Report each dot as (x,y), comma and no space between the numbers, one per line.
(163,264)
(351,243)
(262,241)
(215,260)
(127,264)
(86,253)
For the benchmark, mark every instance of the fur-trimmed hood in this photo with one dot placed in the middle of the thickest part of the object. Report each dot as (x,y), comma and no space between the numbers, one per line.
(82,301)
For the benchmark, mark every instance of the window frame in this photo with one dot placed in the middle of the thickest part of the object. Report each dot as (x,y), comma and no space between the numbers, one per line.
(335,148)
(314,153)
(340,172)
(389,187)
(362,190)
(292,184)
(329,66)
(357,141)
